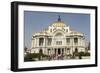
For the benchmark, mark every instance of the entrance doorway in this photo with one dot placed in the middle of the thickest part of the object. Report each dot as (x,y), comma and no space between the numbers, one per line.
(59,51)
(40,51)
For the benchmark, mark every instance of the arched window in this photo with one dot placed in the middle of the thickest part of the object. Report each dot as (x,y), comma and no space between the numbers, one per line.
(49,41)
(75,40)
(40,51)
(67,40)
(41,40)
(58,42)
(76,50)
(68,50)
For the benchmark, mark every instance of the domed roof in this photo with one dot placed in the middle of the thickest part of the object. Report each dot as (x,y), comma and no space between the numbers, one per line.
(58,23)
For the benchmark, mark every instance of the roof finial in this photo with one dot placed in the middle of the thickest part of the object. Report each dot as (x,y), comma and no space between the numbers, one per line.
(59,19)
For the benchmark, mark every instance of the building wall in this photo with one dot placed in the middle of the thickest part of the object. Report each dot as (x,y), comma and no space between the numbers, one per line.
(35,44)
(59,37)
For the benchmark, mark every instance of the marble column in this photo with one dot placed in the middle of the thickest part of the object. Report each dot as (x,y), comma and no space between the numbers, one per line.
(32,43)
(51,51)
(37,42)
(62,51)
(56,51)
(65,51)
(44,42)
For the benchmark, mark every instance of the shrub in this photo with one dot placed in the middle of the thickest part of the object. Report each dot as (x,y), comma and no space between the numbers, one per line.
(84,54)
(81,53)
(32,56)
(87,54)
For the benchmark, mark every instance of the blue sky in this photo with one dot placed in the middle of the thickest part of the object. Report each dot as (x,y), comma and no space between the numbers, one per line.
(36,21)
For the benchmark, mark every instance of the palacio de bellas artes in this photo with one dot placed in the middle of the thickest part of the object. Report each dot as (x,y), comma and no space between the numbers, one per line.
(58,42)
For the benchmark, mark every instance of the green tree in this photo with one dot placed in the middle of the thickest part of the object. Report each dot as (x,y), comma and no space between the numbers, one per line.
(25,49)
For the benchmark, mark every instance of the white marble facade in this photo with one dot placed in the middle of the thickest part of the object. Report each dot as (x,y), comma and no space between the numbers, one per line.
(58,39)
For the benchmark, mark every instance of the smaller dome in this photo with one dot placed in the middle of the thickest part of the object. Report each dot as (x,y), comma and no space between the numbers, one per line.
(59,23)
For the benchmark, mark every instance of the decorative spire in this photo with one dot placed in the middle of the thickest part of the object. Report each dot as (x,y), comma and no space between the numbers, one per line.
(59,19)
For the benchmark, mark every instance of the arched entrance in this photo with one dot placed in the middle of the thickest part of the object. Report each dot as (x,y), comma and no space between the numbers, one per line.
(59,50)
(40,51)
(76,50)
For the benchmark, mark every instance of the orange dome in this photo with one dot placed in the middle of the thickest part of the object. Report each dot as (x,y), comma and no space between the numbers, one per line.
(58,24)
